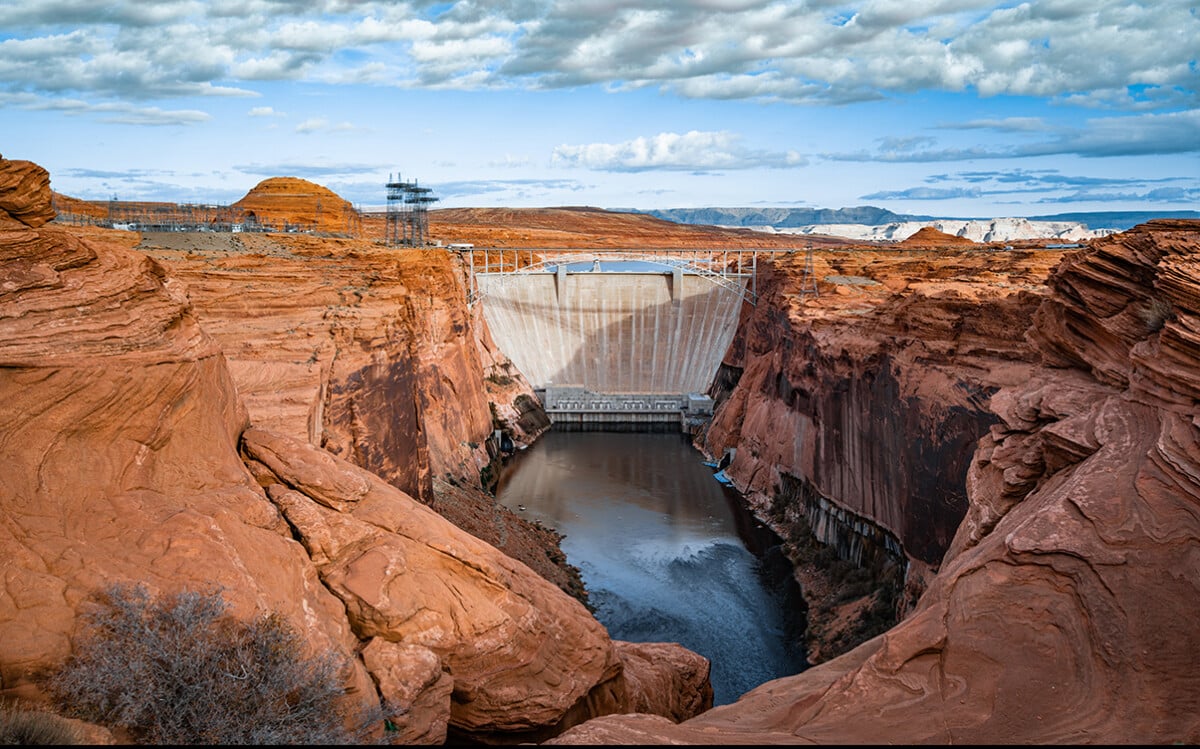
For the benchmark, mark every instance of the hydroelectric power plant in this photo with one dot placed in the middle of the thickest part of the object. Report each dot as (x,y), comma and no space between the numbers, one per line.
(630,341)
(615,337)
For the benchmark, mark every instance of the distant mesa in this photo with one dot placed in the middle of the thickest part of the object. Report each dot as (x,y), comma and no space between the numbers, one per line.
(291,201)
(930,237)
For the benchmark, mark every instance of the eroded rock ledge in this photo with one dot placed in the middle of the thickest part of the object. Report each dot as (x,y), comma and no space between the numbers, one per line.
(129,456)
(1057,611)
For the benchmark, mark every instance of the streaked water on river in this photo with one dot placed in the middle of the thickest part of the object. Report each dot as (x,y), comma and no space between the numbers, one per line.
(664,550)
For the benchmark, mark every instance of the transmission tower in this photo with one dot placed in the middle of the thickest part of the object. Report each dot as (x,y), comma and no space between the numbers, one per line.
(407,212)
(808,284)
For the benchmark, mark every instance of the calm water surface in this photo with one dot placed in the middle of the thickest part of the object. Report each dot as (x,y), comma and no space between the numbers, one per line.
(665,551)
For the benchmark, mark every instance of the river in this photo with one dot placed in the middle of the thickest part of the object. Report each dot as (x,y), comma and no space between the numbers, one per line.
(667,553)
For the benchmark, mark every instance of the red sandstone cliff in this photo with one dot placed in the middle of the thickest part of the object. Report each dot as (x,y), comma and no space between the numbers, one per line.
(129,457)
(1058,613)
(372,354)
(291,203)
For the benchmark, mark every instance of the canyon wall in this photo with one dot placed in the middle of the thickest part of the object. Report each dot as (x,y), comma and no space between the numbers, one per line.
(346,345)
(1058,611)
(131,457)
(857,410)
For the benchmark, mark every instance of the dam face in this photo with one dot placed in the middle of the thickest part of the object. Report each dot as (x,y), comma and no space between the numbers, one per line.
(613,346)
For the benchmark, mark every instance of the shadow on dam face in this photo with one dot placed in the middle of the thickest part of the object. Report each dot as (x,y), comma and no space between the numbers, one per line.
(615,333)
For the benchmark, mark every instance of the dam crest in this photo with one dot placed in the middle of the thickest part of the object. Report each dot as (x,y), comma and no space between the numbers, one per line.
(615,337)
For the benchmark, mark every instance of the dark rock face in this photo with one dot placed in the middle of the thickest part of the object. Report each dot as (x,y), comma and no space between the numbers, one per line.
(1056,614)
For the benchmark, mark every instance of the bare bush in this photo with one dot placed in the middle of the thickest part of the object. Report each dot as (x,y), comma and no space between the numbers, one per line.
(180,670)
(36,727)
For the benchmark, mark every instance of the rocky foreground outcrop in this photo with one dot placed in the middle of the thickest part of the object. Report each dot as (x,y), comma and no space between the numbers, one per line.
(129,456)
(372,354)
(1060,611)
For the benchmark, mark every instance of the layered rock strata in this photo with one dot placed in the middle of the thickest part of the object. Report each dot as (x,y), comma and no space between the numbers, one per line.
(854,412)
(122,426)
(1057,611)
(372,354)
(119,445)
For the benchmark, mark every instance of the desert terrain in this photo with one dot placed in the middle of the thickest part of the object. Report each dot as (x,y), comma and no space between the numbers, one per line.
(1004,437)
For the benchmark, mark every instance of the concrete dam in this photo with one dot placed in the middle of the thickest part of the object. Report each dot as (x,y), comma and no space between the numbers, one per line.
(606,338)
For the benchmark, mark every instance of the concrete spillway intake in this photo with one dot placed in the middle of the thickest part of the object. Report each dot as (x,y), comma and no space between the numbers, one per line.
(614,342)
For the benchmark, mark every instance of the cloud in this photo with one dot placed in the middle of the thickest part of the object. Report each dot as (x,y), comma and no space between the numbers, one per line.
(1131,135)
(308,171)
(264,112)
(691,151)
(1178,197)
(112,112)
(1003,125)
(815,52)
(322,125)
(1173,132)
(1049,186)
(467,188)
(925,193)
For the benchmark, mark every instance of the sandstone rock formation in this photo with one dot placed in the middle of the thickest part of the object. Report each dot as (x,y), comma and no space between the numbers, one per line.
(520,654)
(857,410)
(1057,613)
(371,353)
(120,427)
(590,228)
(928,236)
(121,433)
(294,204)
(22,184)
(346,345)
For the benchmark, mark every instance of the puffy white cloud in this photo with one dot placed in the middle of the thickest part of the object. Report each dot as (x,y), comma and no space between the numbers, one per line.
(692,151)
(323,125)
(1096,52)
(111,61)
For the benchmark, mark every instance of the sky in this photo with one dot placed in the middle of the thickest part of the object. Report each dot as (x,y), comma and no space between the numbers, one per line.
(952,108)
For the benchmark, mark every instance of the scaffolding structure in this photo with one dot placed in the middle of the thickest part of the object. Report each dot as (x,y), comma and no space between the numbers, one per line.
(407,212)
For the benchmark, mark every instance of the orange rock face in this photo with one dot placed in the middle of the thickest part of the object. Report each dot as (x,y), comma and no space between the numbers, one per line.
(121,430)
(1055,615)
(344,344)
(120,426)
(371,353)
(293,204)
(927,236)
(23,187)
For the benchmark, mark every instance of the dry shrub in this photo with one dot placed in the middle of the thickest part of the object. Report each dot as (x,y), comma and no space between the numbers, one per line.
(36,727)
(180,670)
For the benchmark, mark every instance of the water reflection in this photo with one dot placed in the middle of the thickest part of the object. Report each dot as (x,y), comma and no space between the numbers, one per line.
(657,541)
